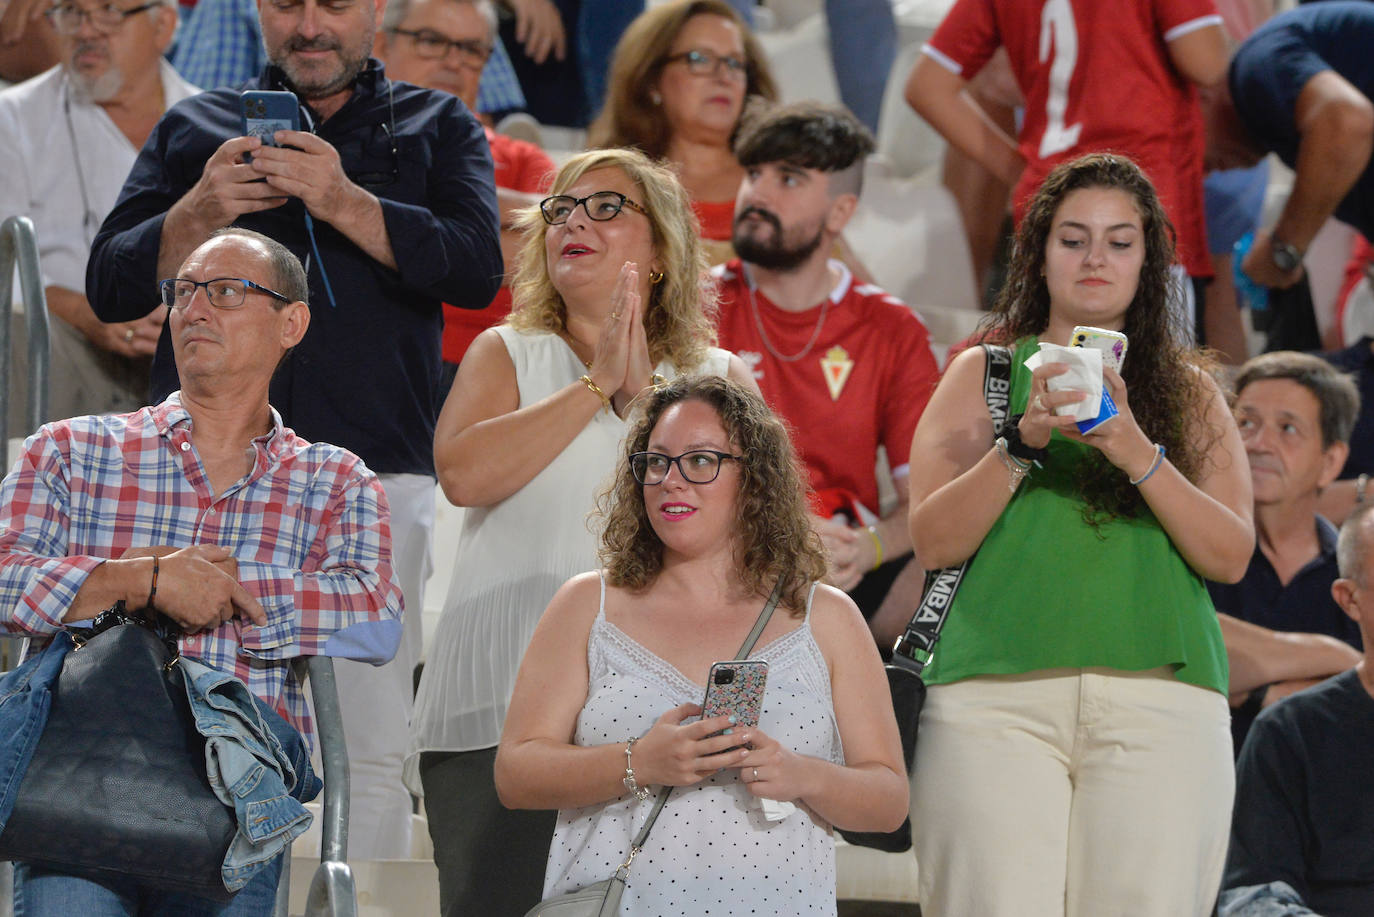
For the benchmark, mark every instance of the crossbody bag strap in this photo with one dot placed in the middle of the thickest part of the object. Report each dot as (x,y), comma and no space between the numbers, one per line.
(745,649)
(916,645)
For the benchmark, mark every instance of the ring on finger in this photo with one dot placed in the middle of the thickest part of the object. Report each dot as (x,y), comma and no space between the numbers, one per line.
(756,773)
(128,335)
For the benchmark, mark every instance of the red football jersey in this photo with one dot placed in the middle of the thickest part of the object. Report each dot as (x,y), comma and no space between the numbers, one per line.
(859,375)
(1096,76)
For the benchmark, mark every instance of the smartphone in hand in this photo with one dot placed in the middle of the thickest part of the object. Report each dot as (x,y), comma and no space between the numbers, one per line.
(264,113)
(736,687)
(1111,343)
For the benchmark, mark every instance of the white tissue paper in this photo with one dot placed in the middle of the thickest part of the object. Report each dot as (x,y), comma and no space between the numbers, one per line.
(775,809)
(1084,375)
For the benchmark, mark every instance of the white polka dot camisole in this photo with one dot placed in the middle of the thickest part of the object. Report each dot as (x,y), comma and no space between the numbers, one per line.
(711,850)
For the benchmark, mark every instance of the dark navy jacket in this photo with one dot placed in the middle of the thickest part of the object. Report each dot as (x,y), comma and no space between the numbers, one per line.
(366,376)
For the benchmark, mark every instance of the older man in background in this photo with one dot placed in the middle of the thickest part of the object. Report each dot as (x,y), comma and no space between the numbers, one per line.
(1302,839)
(67,139)
(445,45)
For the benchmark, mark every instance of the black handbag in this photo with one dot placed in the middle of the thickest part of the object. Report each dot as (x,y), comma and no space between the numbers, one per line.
(117,786)
(916,645)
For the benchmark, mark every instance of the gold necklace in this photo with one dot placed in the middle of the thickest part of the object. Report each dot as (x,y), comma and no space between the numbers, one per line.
(569,340)
(758,323)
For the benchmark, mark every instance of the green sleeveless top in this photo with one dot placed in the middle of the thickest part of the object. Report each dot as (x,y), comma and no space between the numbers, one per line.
(1046,590)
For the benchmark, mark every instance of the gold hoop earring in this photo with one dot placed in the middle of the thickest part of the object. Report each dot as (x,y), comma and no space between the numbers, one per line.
(655,277)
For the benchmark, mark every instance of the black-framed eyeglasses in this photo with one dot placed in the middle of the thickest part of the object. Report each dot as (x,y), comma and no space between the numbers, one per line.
(599,205)
(430,45)
(700,466)
(66,17)
(223,292)
(707,63)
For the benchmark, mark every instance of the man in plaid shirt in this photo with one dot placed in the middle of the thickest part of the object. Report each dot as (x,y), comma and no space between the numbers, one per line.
(267,547)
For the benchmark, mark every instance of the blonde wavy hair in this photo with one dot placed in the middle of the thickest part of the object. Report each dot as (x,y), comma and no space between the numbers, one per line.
(679,318)
(630,116)
(773,534)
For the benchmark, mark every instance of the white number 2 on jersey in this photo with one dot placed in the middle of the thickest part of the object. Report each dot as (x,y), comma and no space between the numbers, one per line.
(1057,27)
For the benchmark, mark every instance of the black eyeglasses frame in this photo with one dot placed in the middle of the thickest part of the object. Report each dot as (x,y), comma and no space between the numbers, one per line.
(638,465)
(582,202)
(167,290)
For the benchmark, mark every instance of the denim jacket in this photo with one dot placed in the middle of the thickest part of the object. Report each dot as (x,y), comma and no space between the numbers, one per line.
(252,754)
(256,763)
(25,696)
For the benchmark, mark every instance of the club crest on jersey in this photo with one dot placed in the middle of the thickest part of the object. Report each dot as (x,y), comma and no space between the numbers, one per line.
(836,367)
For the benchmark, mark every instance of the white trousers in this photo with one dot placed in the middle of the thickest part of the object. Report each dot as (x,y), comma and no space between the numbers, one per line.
(1072,793)
(376,700)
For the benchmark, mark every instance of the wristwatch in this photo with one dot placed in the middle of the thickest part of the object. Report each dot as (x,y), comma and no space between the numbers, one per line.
(1286,257)
(1011,432)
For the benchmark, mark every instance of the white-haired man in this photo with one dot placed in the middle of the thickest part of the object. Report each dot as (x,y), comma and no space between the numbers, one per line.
(67,139)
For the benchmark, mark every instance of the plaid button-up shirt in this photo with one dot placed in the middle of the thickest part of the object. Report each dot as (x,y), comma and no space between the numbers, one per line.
(308,526)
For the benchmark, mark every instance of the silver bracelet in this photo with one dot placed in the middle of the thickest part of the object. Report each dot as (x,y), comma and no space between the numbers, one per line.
(1016,468)
(641,792)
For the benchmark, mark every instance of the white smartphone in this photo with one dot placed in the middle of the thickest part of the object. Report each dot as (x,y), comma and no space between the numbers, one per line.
(1111,343)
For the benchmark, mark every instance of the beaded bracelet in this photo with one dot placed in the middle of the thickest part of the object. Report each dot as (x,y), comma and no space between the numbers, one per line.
(1154,466)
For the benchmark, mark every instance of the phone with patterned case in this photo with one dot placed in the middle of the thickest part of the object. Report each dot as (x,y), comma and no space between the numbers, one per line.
(736,687)
(1111,343)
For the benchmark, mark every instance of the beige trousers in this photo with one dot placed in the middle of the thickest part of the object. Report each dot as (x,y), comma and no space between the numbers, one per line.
(1072,793)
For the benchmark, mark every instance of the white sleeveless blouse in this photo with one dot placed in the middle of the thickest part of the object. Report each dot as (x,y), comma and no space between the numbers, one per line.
(711,850)
(511,559)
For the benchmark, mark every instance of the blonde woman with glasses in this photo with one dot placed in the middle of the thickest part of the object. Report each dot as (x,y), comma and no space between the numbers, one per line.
(608,294)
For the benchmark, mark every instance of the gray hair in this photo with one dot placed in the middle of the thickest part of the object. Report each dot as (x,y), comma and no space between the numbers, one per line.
(1336,393)
(396,11)
(1357,537)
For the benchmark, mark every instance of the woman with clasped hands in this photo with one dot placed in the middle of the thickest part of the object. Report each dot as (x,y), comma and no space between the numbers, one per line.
(1074,753)
(706,512)
(607,293)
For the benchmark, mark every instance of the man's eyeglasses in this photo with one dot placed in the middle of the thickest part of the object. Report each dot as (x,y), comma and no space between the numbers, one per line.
(706,63)
(600,205)
(431,45)
(223,292)
(700,466)
(66,17)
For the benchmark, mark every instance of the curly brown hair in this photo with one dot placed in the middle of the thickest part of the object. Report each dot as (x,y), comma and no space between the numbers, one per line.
(773,530)
(679,318)
(630,117)
(1164,375)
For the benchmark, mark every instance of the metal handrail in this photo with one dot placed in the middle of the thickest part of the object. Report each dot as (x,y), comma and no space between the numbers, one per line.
(332,891)
(18,245)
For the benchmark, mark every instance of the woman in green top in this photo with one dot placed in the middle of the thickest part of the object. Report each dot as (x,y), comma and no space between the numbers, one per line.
(1074,756)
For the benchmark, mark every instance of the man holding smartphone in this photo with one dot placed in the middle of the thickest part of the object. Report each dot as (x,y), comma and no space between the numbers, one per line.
(386,195)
